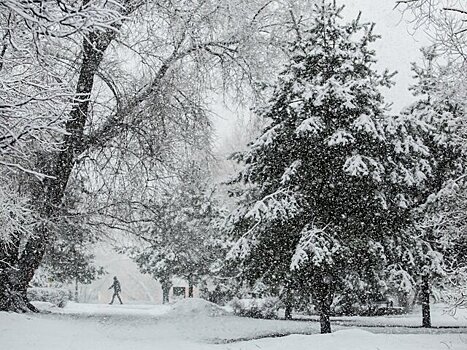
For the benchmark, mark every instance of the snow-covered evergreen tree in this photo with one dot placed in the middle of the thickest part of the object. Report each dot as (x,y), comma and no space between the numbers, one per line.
(69,260)
(327,195)
(436,119)
(184,238)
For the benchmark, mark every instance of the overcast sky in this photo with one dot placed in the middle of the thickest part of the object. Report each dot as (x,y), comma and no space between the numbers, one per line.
(399,46)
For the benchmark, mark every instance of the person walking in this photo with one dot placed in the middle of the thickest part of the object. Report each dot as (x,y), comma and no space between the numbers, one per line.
(117,289)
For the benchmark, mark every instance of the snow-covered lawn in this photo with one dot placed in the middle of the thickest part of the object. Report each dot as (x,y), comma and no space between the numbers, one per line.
(196,324)
(442,316)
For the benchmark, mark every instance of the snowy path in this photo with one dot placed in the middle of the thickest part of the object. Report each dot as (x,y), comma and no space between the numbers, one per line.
(192,327)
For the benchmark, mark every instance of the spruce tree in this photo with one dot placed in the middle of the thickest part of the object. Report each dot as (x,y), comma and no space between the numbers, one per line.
(436,119)
(183,238)
(325,196)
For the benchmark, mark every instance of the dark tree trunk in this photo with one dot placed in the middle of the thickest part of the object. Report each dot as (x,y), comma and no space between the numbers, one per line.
(48,193)
(190,287)
(325,306)
(165,293)
(76,289)
(166,284)
(288,302)
(425,299)
(325,317)
(288,311)
(13,280)
(12,293)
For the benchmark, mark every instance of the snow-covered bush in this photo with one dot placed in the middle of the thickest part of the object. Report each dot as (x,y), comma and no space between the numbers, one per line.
(56,296)
(257,308)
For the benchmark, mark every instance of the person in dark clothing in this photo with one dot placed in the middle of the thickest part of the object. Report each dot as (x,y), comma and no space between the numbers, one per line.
(117,290)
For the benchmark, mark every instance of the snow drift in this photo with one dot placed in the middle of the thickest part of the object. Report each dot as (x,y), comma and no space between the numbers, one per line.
(196,307)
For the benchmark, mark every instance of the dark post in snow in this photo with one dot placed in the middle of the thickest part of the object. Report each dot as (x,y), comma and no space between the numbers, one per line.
(425,299)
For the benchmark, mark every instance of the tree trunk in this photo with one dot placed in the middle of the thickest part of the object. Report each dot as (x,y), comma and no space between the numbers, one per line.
(325,317)
(48,193)
(165,294)
(76,289)
(325,307)
(288,311)
(13,293)
(17,270)
(190,287)
(288,302)
(166,284)
(425,299)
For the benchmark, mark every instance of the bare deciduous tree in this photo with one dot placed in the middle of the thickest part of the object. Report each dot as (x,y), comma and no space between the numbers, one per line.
(445,21)
(126,73)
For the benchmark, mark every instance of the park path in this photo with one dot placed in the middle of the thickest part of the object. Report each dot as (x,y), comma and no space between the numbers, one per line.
(200,325)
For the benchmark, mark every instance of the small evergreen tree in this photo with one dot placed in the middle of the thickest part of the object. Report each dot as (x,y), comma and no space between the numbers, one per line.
(436,119)
(184,238)
(69,261)
(327,196)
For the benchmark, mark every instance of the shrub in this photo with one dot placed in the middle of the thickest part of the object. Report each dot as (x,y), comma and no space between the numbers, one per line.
(256,308)
(56,296)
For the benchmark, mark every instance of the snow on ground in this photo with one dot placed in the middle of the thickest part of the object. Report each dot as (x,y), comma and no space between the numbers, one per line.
(197,324)
(196,307)
(441,317)
(115,309)
(356,339)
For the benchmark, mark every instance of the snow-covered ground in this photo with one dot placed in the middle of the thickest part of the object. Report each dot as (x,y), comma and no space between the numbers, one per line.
(196,324)
(442,317)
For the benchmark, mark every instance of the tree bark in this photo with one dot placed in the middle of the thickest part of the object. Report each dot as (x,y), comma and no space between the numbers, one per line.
(325,317)
(12,293)
(17,270)
(165,293)
(48,193)
(425,299)
(76,289)
(190,287)
(288,302)
(166,284)
(325,308)
(288,311)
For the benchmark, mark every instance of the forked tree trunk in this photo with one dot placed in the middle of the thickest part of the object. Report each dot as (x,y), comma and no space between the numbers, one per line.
(425,299)
(48,193)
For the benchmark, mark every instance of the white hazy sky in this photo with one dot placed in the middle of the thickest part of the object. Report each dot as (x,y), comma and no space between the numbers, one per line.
(399,46)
